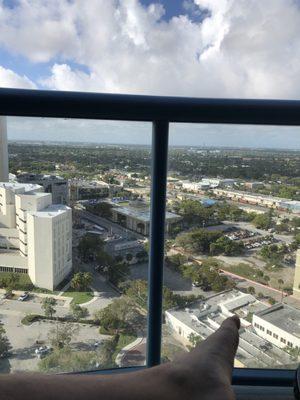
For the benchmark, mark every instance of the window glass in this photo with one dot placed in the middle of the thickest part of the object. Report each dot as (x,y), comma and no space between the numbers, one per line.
(232,239)
(74,224)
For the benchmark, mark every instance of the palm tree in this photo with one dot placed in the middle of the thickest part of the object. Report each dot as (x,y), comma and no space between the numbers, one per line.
(87,279)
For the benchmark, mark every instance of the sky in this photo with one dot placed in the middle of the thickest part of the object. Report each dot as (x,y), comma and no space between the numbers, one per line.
(198,48)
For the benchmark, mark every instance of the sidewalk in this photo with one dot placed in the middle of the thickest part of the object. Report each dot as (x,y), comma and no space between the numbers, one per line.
(131,346)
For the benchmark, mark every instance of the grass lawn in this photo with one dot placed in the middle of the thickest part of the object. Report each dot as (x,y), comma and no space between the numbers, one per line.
(124,340)
(247,271)
(79,297)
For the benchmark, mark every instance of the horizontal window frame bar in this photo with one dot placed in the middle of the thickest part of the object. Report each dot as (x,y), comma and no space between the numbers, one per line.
(59,104)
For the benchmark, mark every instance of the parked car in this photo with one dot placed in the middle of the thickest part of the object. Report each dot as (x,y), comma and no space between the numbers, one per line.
(42,351)
(24,296)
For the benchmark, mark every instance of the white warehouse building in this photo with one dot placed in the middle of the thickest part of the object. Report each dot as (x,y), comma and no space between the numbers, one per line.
(35,235)
(279,324)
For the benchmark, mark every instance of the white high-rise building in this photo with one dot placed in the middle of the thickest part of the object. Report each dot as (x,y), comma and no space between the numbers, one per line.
(35,235)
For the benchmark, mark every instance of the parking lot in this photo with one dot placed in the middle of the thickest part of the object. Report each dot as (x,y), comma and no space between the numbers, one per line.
(24,338)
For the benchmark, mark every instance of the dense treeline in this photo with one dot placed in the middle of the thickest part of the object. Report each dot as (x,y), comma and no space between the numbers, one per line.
(244,164)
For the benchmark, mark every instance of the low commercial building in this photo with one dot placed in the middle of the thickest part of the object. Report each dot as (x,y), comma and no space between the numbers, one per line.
(204,317)
(215,182)
(259,200)
(84,190)
(136,217)
(195,186)
(280,325)
(254,185)
(35,235)
(56,185)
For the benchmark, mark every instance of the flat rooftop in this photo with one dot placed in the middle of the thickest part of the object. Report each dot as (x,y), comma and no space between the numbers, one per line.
(38,177)
(19,187)
(204,316)
(51,211)
(89,184)
(142,213)
(262,196)
(283,317)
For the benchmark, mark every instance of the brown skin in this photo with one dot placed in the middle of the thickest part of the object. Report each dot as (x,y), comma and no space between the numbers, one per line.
(204,373)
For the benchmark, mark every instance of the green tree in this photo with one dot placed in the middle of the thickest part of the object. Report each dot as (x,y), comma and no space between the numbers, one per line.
(11,281)
(118,273)
(226,246)
(102,209)
(5,346)
(120,315)
(48,305)
(61,334)
(271,300)
(194,339)
(77,311)
(263,221)
(81,281)
(251,290)
(89,246)
(198,240)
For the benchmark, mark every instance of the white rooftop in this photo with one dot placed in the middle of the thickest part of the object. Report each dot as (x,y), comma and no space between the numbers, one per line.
(18,187)
(51,211)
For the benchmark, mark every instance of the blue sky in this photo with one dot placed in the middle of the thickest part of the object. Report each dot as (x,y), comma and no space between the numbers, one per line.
(198,48)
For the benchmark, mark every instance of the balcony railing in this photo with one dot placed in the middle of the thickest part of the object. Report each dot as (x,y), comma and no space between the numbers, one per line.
(160,111)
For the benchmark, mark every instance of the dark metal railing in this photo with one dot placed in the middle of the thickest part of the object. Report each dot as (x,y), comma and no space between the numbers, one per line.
(160,111)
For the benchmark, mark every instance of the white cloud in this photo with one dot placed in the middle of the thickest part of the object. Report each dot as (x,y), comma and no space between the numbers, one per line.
(10,79)
(245,48)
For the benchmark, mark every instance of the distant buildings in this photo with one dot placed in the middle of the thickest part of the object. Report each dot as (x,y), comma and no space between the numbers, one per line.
(35,235)
(136,216)
(53,184)
(259,200)
(204,184)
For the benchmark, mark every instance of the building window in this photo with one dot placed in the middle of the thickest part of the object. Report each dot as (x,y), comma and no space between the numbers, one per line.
(269,332)
(290,344)
(275,336)
(283,340)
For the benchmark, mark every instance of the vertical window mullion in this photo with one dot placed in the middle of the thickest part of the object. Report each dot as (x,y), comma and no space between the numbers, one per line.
(160,136)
